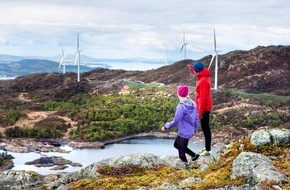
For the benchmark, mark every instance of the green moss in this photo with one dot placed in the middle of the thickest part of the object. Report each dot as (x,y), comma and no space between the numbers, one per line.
(138,178)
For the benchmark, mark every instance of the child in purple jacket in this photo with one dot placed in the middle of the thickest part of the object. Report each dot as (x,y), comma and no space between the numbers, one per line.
(186,120)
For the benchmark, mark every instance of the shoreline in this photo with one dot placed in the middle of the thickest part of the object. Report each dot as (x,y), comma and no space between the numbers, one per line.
(101,144)
(26,145)
(40,146)
(7,164)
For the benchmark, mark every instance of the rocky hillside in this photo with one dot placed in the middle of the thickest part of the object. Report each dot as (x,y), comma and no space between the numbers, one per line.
(260,70)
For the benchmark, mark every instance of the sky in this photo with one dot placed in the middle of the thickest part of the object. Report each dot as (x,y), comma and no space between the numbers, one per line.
(152,29)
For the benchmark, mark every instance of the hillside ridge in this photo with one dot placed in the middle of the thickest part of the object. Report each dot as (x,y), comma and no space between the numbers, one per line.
(259,70)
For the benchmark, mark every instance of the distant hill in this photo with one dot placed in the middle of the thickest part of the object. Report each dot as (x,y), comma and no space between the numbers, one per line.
(30,66)
(260,70)
(14,66)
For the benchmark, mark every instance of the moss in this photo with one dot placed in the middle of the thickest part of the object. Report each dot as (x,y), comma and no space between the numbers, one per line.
(32,173)
(218,174)
(138,178)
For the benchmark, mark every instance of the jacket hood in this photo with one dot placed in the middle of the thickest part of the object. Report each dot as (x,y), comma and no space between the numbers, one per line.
(189,104)
(203,73)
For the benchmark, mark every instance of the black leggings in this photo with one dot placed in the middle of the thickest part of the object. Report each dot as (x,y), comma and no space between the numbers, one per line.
(204,122)
(181,145)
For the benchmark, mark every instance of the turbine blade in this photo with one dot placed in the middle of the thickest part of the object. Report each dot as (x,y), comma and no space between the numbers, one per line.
(214,40)
(60,63)
(62,50)
(211,61)
(181,48)
(78,44)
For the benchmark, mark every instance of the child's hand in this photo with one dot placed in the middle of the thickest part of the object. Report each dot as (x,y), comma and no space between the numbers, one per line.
(163,129)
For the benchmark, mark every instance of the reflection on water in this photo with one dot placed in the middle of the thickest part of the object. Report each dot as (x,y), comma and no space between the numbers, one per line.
(87,156)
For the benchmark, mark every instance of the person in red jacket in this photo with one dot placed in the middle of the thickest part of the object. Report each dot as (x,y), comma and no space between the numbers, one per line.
(203,102)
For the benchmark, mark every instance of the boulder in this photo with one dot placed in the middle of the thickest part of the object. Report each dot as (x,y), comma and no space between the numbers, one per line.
(20,179)
(260,138)
(255,168)
(280,136)
(271,137)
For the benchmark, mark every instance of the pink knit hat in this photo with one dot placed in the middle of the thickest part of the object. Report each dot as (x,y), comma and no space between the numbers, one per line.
(182,90)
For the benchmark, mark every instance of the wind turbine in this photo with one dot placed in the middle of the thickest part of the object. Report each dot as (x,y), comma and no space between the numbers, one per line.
(184,45)
(78,57)
(166,60)
(216,62)
(62,61)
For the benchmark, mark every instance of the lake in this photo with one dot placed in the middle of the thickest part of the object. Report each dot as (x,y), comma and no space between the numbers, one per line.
(87,156)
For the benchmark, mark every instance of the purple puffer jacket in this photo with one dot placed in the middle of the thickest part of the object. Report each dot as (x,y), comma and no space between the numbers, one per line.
(185,119)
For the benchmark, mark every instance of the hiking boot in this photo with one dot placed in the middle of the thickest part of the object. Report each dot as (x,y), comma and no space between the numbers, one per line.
(196,157)
(187,165)
(202,150)
(205,153)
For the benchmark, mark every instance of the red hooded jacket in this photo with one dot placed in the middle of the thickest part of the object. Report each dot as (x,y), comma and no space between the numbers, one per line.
(203,98)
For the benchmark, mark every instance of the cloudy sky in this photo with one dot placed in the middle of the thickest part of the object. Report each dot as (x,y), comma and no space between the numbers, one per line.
(141,28)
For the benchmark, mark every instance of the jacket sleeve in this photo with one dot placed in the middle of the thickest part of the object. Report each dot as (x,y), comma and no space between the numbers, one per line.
(196,122)
(177,118)
(203,88)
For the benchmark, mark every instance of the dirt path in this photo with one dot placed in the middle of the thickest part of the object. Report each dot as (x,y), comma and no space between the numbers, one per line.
(22,97)
(236,106)
(36,116)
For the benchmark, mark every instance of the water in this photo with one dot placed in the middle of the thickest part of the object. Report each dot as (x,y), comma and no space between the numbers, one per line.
(131,66)
(87,156)
(113,65)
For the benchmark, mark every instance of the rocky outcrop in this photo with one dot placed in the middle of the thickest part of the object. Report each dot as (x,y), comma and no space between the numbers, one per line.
(148,161)
(58,162)
(20,180)
(256,168)
(253,167)
(271,137)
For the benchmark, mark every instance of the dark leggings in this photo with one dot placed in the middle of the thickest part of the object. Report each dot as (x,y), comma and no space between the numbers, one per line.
(181,145)
(206,130)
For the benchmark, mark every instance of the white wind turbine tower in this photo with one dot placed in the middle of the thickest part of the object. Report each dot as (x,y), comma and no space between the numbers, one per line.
(216,62)
(62,61)
(78,57)
(184,45)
